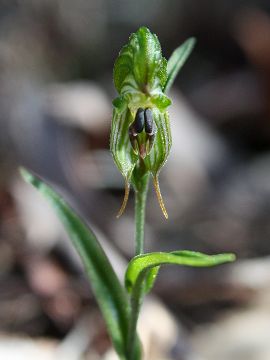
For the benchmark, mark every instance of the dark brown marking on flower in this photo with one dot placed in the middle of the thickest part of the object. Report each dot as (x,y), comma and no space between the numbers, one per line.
(138,123)
(148,121)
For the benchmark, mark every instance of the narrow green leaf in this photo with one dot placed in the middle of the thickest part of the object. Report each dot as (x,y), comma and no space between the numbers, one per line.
(177,60)
(139,267)
(110,294)
(150,278)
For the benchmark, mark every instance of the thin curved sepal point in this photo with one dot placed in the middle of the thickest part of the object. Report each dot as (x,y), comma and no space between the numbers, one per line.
(159,196)
(125,200)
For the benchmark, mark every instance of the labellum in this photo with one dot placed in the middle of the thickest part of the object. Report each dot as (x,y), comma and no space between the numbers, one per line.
(140,132)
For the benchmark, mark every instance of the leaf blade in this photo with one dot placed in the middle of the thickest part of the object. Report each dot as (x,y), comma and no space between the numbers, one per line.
(110,294)
(177,60)
(140,265)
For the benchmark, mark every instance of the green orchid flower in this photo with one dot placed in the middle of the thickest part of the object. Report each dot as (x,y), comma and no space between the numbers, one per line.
(140,132)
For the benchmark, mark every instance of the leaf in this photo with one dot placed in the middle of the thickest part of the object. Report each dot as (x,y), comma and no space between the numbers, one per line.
(110,294)
(139,267)
(150,278)
(177,60)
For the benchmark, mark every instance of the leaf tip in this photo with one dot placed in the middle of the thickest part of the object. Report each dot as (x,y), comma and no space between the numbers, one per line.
(192,41)
(224,258)
(26,175)
(231,257)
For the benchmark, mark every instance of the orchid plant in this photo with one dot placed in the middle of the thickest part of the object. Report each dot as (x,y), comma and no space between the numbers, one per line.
(140,143)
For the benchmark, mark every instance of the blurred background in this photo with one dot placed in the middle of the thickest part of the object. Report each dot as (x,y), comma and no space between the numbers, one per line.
(56,59)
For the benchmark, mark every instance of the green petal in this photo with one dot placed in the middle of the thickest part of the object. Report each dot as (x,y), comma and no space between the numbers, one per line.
(160,151)
(121,149)
(162,144)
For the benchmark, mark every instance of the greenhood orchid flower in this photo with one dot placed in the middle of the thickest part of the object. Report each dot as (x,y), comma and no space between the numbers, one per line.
(140,131)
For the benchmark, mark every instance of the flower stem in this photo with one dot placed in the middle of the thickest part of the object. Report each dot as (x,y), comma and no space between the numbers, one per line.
(140,202)
(136,297)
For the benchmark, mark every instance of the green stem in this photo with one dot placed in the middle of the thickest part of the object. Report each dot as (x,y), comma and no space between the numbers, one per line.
(136,297)
(140,202)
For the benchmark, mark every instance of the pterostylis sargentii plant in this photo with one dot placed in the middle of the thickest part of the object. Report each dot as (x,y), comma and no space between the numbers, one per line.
(140,144)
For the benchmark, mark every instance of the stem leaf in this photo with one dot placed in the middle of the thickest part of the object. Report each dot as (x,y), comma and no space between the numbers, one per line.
(110,294)
(177,60)
(140,268)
